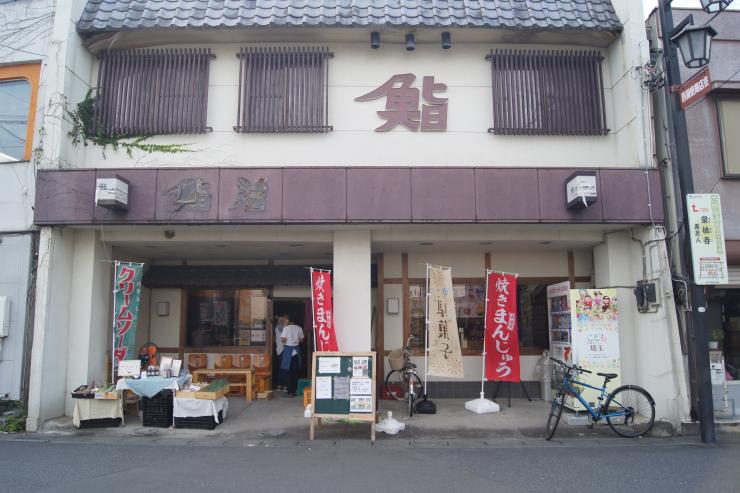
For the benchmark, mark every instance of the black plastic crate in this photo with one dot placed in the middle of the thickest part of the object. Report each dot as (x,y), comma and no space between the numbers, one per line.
(157,410)
(199,422)
(100,423)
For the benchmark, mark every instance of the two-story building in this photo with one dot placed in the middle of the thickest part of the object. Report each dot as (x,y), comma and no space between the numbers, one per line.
(373,137)
(25,27)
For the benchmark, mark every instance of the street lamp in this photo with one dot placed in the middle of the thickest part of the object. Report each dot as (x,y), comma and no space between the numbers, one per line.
(712,6)
(694,42)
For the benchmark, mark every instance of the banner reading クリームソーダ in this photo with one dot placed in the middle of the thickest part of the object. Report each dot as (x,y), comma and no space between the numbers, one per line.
(126,293)
(502,338)
(323,313)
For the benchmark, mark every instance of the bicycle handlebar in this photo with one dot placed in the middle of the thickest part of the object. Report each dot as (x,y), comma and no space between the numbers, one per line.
(572,368)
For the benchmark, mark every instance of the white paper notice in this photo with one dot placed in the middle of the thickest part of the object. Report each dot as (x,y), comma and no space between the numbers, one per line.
(360,366)
(323,387)
(360,386)
(361,404)
(329,365)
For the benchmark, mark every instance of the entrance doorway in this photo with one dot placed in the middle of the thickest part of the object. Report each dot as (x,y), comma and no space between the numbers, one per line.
(299,311)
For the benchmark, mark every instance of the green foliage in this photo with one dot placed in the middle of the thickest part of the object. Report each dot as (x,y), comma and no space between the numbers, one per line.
(15,422)
(83,132)
(716,335)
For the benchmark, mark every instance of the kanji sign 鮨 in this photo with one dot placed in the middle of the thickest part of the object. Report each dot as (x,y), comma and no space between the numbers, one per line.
(707,238)
(402,104)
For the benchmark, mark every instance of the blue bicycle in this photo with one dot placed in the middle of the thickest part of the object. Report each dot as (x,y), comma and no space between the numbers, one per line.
(629,410)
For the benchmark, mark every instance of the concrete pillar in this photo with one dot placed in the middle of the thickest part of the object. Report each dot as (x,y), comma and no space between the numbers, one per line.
(89,319)
(650,347)
(352,292)
(47,380)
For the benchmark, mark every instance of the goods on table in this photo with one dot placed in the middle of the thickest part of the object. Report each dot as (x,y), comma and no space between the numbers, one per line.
(107,392)
(209,391)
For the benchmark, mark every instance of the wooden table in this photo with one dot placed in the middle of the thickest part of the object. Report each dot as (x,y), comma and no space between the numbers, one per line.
(247,372)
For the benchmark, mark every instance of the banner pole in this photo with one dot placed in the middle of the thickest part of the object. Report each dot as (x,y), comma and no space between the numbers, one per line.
(485,329)
(313,313)
(113,344)
(426,332)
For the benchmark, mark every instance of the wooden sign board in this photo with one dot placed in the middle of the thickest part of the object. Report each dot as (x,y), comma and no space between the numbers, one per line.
(343,387)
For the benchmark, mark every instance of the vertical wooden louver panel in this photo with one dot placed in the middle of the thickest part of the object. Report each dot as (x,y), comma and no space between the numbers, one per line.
(152,91)
(543,92)
(283,90)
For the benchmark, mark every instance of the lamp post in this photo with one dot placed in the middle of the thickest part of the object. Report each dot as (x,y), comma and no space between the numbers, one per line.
(695,45)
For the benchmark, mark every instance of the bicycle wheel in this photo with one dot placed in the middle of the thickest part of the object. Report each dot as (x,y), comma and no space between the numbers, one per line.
(395,385)
(638,409)
(556,411)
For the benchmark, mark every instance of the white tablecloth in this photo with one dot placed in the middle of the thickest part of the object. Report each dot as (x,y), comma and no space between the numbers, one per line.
(96,409)
(186,407)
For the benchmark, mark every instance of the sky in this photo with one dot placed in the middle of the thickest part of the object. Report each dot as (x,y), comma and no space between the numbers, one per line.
(649,5)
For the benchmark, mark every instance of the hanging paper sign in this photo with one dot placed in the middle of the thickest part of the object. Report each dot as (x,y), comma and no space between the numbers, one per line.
(502,338)
(707,238)
(126,290)
(445,357)
(323,313)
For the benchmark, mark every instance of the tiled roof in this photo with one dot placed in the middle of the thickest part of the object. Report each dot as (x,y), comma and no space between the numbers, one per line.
(109,15)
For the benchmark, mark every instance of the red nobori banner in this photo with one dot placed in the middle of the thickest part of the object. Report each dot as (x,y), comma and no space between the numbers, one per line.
(323,312)
(502,338)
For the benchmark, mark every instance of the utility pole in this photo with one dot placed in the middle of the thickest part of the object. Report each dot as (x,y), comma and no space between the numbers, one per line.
(697,335)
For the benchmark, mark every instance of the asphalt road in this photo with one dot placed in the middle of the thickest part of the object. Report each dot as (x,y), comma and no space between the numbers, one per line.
(569,466)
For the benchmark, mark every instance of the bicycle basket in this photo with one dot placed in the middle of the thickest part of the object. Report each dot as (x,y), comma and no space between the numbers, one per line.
(395,359)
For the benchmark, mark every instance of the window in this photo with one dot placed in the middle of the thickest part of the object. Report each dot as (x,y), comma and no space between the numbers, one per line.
(538,92)
(729,124)
(283,90)
(227,317)
(18,93)
(470,305)
(150,92)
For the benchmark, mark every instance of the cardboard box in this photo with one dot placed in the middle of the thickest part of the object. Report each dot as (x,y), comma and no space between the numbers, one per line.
(266,395)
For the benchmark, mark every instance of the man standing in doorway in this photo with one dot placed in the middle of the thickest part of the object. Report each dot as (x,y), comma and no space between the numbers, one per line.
(290,360)
(278,351)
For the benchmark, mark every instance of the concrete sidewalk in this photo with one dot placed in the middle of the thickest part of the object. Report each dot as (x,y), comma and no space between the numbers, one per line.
(280,422)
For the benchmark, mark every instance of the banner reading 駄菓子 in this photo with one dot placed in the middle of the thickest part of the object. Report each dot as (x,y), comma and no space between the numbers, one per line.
(126,294)
(445,356)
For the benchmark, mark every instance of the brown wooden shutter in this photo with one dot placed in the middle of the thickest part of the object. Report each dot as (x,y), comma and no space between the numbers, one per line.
(543,92)
(283,89)
(152,91)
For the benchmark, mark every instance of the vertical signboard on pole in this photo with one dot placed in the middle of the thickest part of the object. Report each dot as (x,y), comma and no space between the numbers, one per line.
(502,338)
(707,238)
(443,338)
(126,293)
(323,312)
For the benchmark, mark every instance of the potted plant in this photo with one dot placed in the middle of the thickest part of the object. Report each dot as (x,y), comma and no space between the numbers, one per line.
(715,337)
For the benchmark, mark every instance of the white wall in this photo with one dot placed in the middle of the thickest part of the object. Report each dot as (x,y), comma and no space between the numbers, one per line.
(89,322)
(356,70)
(15,252)
(164,331)
(649,343)
(51,326)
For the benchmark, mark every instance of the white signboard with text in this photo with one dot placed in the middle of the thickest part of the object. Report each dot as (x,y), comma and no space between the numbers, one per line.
(707,238)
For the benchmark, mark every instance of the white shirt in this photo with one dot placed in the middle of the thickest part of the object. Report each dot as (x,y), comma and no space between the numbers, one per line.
(293,335)
(279,339)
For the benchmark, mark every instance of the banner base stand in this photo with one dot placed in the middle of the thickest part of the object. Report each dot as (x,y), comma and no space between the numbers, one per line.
(426,406)
(482,405)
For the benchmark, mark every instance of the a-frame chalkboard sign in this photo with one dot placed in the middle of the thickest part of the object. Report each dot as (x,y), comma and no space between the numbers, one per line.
(343,387)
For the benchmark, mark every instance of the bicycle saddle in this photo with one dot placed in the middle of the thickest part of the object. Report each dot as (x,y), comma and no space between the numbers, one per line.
(608,376)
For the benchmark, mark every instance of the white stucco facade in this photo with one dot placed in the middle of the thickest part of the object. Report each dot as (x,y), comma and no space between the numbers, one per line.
(74,270)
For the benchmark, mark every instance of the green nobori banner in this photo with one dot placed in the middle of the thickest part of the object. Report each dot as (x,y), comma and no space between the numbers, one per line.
(126,293)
